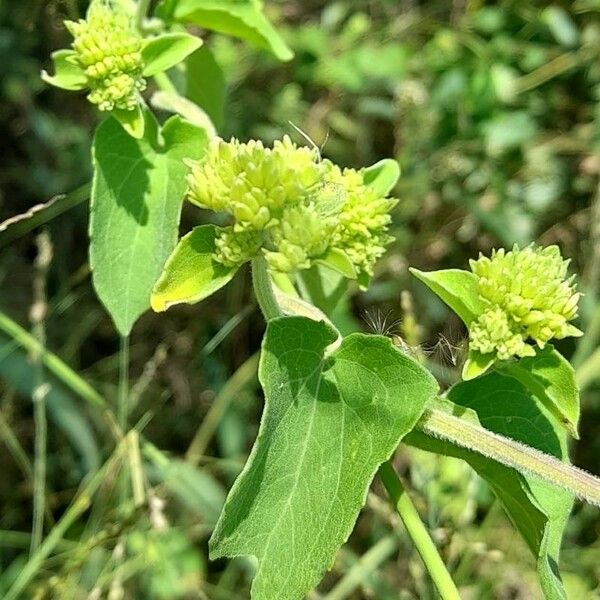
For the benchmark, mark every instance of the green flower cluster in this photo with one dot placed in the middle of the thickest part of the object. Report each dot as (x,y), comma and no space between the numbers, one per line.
(108,49)
(527,297)
(291,205)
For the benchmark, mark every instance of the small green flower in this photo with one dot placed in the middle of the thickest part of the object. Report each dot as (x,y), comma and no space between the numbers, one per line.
(108,49)
(528,298)
(292,205)
(110,58)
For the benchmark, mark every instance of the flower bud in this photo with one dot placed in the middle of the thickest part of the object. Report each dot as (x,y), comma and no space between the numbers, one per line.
(528,298)
(108,48)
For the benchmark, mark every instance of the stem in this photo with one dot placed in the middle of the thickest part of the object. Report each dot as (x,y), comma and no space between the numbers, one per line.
(263,289)
(40,388)
(142,10)
(511,453)
(417,531)
(123,407)
(123,397)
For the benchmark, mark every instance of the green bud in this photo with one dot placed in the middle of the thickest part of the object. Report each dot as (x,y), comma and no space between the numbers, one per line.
(528,298)
(108,48)
(302,206)
(363,220)
(234,248)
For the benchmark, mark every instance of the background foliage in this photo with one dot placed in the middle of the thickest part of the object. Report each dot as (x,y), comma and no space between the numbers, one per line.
(492,111)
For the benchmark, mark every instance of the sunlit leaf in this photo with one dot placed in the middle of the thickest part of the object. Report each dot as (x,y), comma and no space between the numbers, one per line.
(331,418)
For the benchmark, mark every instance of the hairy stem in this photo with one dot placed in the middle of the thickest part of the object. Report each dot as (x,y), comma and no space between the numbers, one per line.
(263,289)
(418,533)
(511,453)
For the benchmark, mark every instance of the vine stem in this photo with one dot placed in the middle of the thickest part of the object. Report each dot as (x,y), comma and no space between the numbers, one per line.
(263,289)
(418,533)
(513,454)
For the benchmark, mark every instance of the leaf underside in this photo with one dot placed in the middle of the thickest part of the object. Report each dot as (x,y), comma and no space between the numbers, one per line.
(329,421)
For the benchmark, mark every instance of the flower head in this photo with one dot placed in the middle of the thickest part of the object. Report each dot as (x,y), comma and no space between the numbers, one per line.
(108,49)
(527,296)
(293,206)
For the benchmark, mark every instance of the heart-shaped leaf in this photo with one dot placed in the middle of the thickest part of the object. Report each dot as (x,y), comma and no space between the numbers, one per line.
(137,194)
(331,418)
(457,288)
(167,50)
(191,274)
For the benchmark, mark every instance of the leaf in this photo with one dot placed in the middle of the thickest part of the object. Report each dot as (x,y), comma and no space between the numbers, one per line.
(137,193)
(175,103)
(457,288)
(339,261)
(133,121)
(67,76)
(167,50)
(551,378)
(331,418)
(476,364)
(205,84)
(191,274)
(537,509)
(382,176)
(239,18)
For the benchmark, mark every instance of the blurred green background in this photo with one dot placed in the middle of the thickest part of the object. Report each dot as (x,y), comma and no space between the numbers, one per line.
(492,110)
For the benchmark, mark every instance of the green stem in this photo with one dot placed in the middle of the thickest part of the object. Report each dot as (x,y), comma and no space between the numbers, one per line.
(418,532)
(40,388)
(142,11)
(513,454)
(123,394)
(123,408)
(263,289)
